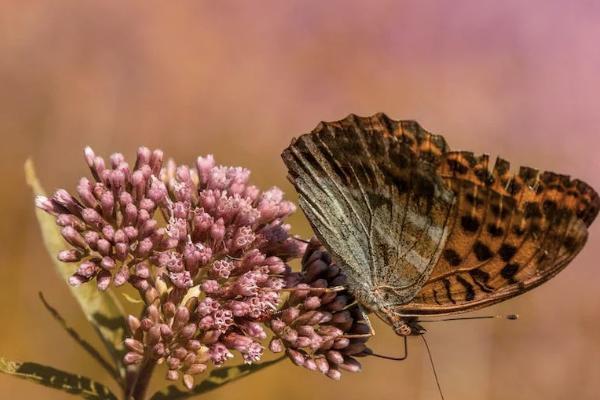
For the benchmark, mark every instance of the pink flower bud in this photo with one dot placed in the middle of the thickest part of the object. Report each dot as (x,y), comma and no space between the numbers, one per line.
(276,346)
(255,330)
(196,369)
(43,203)
(217,231)
(172,375)
(182,316)
(144,248)
(104,277)
(355,348)
(204,166)
(166,332)
(334,374)
(72,255)
(153,313)
(122,275)
(312,303)
(169,309)
(91,239)
(134,345)
(296,357)
(121,251)
(87,269)
(189,360)
(142,270)
(64,199)
(193,345)
(173,363)
(315,269)
(107,263)
(132,358)
(341,343)
(156,160)
(103,247)
(322,365)
(303,342)
(143,157)
(310,365)
(188,381)
(306,330)
(76,280)
(153,335)
(133,323)
(188,331)
(290,314)
(335,357)
(210,337)
(73,237)
(210,286)
(107,203)
(351,365)
(70,220)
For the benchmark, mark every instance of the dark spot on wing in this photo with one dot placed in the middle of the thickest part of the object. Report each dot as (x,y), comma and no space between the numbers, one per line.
(509,271)
(469,224)
(570,243)
(457,167)
(447,287)
(518,230)
(532,210)
(469,292)
(550,208)
(507,251)
(495,230)
(482,252)
(452,257)
(481,278)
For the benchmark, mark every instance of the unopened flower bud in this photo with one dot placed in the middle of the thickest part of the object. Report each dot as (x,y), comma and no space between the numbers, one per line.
(72,255)
(134,345)
(132,358)
(133,323)
(73,237)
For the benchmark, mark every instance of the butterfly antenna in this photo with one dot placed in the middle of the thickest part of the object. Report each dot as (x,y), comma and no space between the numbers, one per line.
(437,381)
(510,317)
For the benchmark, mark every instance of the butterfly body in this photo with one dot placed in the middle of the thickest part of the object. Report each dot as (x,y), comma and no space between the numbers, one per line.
(423,230)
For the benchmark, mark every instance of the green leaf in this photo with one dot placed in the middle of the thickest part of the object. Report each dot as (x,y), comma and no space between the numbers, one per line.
(217,378)
(102,309)
(57,379)
(132,299)
(83,343)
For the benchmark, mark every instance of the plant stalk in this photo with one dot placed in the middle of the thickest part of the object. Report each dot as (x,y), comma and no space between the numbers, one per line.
(138,381)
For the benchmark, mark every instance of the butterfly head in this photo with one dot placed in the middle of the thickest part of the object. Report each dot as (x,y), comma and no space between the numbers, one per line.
(405,326)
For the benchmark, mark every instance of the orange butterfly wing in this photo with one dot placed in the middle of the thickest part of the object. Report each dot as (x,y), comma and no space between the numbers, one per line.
(511,233)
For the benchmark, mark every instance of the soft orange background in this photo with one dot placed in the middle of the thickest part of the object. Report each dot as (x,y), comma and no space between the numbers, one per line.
(240,79)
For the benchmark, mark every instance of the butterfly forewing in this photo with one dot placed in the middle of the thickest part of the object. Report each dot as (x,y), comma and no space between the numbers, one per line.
(381,211)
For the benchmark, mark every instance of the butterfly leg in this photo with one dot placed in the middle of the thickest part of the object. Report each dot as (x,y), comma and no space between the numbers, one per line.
(401,358)
(366,321)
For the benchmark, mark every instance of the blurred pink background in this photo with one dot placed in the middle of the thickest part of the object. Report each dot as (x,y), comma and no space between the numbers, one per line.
(240,79)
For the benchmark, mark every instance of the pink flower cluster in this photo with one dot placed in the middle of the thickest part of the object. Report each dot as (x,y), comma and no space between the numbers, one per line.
(320,326)
(208,254)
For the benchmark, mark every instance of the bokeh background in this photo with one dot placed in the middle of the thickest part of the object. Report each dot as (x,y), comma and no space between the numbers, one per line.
(240,79)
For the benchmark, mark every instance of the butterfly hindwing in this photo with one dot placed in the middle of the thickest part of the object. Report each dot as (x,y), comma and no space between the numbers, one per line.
(512,234)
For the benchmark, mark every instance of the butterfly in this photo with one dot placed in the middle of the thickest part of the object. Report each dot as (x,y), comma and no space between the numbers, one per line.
(422,230)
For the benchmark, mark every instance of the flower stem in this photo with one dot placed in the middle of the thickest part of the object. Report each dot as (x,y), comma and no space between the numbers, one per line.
(139,380)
